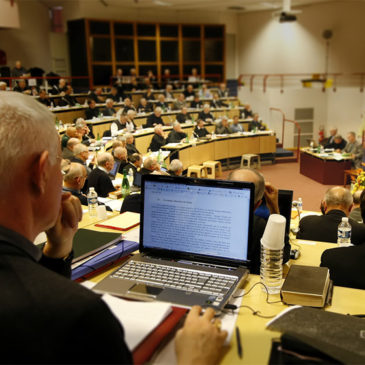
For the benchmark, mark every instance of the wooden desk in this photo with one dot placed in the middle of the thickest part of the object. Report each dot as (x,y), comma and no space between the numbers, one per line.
(327,171)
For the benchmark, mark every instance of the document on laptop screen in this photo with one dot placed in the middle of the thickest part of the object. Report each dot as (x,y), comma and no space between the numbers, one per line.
(202,220)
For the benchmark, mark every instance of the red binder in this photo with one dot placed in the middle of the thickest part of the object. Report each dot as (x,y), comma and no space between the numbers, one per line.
(146,349)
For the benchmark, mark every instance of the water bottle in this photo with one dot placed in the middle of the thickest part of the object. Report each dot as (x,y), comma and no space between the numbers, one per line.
(130,177)
(92,202)
(125,185)
(344,233)
(300,205)
(272,244)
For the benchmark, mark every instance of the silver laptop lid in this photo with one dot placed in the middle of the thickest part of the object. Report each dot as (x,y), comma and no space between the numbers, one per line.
(197,219)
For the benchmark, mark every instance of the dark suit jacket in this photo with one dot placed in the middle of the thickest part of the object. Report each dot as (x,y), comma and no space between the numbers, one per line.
(47,318)
(196,104)
(131,148)
(182,118)
(45,101)
(337,146)
(91,113)
(201,132)
(152,119)
(67,100)
(109,112)
(205,116)
(100,180)
(157,142)
(175,137)
(132,203)
(218,104)
(324,228)
(346,265)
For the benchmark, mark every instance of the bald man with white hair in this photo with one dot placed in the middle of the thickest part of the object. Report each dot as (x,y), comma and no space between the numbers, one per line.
(336,204)
(158,139)
(67,153)
(206,115)
(99,177)
(155,118)
(109,110)
(176,135)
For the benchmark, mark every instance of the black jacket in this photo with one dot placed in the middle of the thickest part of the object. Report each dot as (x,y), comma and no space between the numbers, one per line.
(346,265)
(109,112)
(91,113)
(152,120)
(324,228)
(157,142)
(47,318)
(100,180)
(200,132)
(131,148)
(182,118)
(175,137)
(205,116)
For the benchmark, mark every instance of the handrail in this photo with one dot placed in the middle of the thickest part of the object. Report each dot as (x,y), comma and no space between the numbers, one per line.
(296,124)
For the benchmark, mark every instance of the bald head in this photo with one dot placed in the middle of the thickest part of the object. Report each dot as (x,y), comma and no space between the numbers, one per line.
(250,175)
(75,177)
(338,198)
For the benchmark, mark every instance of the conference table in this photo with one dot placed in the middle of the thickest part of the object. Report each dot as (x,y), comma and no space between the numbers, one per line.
(255,338)
(325,168)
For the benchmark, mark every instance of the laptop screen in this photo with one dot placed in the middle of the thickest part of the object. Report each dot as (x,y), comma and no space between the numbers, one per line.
(113,172)
(197,217)
(285,205)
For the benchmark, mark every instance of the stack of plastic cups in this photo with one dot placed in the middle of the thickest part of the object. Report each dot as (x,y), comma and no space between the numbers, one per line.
(272,244)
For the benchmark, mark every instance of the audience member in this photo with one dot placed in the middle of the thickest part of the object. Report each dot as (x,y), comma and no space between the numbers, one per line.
(144,106)
(355,149)
(130,125)
(18,70)
(115,95)
(68,99)
(236,126)
(3,86)
(180,102)
(135,163)
(205,93)
(81,155)
(331,138)
(194,77)
(247,112)
(99,177)
(177,134)
(183,116)
(158,139)
(355,213)
(169,92)
(92,111)
(223,91)
(150,165)
(22,87)
(162,103)
(120,154)
(196,103)
(176,168)
(59,89)
(338,143)
(128,105)
(189,93)
(83,130)
(71,132)
(206,115)
(74,181)
(256,124)
(67,152)
(270,193)
(200,131)
(131,148)
(148,95)
(44,98)
(97,95)
(222,127)
(109,110)
(155,118)
(337,203)
(216,103)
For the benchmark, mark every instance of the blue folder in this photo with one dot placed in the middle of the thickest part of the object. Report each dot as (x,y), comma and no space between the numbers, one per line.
(103,258)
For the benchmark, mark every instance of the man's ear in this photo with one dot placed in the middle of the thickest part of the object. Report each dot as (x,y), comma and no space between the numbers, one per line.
(257,204)
(39,173)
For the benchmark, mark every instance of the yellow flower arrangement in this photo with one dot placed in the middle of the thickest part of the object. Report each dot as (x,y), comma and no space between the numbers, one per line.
(359,182)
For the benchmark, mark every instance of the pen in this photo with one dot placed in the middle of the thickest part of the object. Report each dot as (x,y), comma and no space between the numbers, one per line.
(239,344)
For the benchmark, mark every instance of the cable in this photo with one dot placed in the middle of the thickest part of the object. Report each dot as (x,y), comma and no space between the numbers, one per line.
(267,293)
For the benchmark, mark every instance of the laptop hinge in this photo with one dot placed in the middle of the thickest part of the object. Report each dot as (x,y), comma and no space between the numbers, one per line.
(204,264)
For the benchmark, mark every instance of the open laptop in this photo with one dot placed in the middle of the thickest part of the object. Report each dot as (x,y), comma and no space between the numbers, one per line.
(113,172)
(285,200)
(194,242)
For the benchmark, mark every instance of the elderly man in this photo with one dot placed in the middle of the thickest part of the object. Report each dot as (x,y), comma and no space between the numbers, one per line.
(128,105)
(247,112)
(267,192)
(18,70)
(161,102)
(217,103)
(144,106)
(355,213)
(236,126)
(338,143)
(67,152)
(129,123)
(183,116)
(115,95)
(41,304)
(204,92)
(176,168)
(59,89)
(196,103)
(155,118)
(168,92)
(22,87)
(135,163)
(158,140)
(331,138)
(68,99)
(354,148)
(44,98)
(74,181)
(71,132)
(92,111)
(81,155)
(109,110)
(99,177)
(177,134)
(131,148)
(256,124)
(206,115)
(337,203)
(150,165)
(222,127)
(200,131)
(96,95)
(189,93)
(180,102)
(223,91)
(120,154)
(83,130)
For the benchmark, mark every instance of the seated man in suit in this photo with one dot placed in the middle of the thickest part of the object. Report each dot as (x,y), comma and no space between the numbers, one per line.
(177,134)
(223,91)
(200,131)
(337,203)
(196,103)
(131,148)
(128,105)
(68,99)
(109,110)
(162,103)
(115,95)
(262,189)
(183,116)
(206,115)
(99,177)
(176,168)
(222,127)
(144,106)
(150,165)
(357,209)
(44,97)
(66,318)
(67,152)
(247,112)
(256,124)
(338,143)
(148,95)
(22,87)
(84,132)
(158,140)
(169,92)
(81,155)
(92,111)
(71,132)
(155,118)
(189,92)
(135,163)
(74,180)
(236,126)
(59,89)
(120,154)
(217,103)
(97,96)
(355,149)
(180,102)
(331,138)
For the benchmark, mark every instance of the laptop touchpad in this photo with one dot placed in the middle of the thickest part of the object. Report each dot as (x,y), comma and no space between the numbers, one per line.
(145,290)
(184,298)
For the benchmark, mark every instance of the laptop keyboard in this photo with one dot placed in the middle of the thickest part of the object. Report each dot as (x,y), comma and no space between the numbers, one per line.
(177,278)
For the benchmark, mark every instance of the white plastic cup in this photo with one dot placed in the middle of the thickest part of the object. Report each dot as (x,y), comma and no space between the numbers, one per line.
(101,209)
(274,234)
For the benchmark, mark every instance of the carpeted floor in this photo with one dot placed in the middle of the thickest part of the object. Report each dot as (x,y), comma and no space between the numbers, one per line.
(287,176)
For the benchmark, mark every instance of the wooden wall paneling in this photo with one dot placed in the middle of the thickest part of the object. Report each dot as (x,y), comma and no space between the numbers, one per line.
(267,144)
